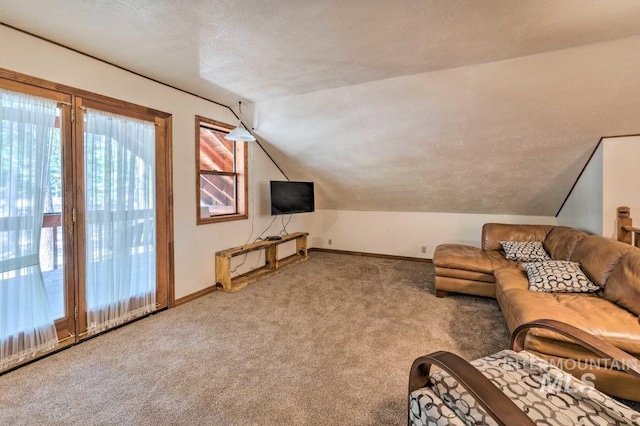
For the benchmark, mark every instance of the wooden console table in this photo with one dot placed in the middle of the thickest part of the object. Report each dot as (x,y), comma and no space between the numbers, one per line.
(271,266)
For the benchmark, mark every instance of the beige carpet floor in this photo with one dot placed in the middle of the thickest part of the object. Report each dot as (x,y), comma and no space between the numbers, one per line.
(328,341)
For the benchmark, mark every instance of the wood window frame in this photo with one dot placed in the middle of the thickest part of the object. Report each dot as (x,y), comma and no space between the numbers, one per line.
(241,173)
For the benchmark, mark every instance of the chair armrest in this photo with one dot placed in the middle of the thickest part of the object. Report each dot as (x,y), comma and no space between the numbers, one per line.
(598,346)
(496,403)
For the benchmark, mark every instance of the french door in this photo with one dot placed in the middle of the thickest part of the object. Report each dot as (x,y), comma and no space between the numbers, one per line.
(85,216)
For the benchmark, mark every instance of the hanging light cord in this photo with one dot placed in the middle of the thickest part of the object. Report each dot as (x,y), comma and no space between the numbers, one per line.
(252,207)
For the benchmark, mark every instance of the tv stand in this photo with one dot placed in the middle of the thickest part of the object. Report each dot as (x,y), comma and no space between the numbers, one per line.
(272,265)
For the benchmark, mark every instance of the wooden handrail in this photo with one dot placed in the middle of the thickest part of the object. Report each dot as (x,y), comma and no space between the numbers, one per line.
(626,232)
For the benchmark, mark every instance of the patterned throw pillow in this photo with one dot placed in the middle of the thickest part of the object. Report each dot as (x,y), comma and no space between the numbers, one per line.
(525,251)
(558,276)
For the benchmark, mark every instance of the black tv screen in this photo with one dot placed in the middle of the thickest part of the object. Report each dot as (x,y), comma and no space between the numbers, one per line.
(291,197)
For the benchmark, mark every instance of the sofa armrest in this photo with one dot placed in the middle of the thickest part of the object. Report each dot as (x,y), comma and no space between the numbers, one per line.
(496,403)
(585,339)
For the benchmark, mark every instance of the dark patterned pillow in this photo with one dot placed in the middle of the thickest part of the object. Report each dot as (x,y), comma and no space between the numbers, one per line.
(525,251)
(558,276)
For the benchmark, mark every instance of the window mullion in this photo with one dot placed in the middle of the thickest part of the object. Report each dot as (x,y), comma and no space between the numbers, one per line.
(217,173)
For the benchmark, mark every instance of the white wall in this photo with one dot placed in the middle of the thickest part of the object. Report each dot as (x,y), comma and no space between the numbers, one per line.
(394,233)
(195,246)
(611,179)
(404,233)
(583,209)
(621,180)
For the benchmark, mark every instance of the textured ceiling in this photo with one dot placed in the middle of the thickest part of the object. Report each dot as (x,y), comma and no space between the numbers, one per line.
(465,106)
(504,137)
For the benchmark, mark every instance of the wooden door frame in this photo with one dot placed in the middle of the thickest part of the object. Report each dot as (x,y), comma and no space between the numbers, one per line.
(164,205)
(71,127)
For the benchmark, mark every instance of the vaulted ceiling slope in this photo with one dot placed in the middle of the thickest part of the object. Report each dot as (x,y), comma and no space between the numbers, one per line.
(413,105)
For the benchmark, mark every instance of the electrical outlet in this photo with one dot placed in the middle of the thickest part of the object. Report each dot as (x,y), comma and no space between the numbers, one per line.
(424,249)
(329,241)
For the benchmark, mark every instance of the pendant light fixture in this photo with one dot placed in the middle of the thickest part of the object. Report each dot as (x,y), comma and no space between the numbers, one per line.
(240,133)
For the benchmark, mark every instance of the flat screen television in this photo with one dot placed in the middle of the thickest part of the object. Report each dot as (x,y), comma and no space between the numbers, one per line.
(291,197)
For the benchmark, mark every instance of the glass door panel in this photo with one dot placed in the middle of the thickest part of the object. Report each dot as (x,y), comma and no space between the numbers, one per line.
(31,133)
(120,218)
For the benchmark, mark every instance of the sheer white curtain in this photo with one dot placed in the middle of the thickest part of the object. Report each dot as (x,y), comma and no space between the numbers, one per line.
(26,139)
(119,168)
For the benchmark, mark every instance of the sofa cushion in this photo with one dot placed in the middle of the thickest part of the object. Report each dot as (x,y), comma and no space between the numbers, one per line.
(598,256)
(493,233)
(561,242)
(524,251)
(586,311)
(600,317)
(511,278)
(459,256)
(623,285)
(558,276)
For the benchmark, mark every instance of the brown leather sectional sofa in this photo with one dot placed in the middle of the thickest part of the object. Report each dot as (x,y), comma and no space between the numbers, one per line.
(612,314)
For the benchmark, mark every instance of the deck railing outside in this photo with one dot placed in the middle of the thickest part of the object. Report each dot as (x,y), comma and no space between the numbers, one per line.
(52,262)
(52,222)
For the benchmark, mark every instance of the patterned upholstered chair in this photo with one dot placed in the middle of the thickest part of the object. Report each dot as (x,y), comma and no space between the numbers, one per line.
(514,387)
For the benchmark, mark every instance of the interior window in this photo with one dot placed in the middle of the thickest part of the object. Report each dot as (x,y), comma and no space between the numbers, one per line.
(222,173)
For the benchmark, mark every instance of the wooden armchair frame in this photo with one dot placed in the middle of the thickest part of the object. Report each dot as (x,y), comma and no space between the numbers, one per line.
(498,405)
